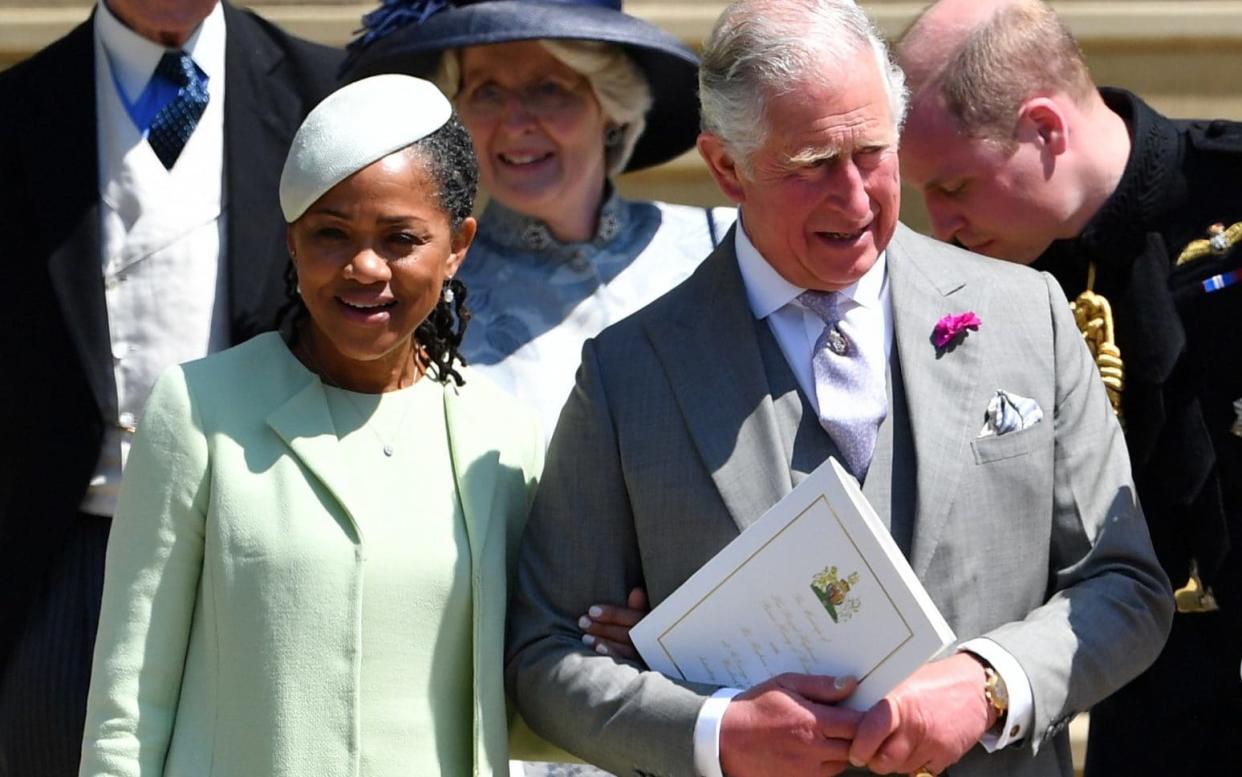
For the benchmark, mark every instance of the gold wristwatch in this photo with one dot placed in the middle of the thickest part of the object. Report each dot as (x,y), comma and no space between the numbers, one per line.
(995,692)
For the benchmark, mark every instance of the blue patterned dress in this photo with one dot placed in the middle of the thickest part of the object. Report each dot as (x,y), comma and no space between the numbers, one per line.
(535,300)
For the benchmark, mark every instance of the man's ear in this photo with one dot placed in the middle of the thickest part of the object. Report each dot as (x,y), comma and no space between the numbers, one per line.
(722,165)
(1043,120)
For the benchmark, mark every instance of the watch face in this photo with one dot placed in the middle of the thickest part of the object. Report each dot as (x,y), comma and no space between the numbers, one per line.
(995,690)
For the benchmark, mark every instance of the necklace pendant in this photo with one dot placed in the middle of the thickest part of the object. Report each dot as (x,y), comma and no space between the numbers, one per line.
(388,450)
(837,343)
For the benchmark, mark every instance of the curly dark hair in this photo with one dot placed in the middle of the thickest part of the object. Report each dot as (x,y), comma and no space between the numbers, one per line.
(448,156)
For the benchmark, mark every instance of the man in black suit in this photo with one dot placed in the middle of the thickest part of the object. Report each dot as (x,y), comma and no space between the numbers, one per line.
(139,226)
(1020,156)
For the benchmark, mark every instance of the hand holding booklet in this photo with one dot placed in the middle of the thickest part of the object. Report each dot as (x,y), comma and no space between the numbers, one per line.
(817,585)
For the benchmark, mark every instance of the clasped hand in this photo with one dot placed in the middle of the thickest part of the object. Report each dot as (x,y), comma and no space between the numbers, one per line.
(928,722)
(791,724)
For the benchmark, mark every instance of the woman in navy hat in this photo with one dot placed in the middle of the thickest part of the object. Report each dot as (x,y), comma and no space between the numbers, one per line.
(559,97)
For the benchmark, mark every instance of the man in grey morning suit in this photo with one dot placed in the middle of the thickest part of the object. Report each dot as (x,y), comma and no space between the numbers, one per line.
(693,416)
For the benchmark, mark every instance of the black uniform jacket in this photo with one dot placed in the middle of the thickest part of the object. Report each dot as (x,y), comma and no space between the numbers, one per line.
(1182,346)
(57,392)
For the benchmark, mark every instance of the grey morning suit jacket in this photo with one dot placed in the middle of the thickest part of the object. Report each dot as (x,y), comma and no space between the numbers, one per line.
(673,441)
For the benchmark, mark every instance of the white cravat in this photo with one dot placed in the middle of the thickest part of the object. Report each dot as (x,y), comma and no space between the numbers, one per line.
(162,233)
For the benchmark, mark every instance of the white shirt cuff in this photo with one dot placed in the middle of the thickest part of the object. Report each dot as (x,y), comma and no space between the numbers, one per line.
(707,733)
(1021,712)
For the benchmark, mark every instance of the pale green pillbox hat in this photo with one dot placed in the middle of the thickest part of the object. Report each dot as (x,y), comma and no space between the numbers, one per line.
(356,125)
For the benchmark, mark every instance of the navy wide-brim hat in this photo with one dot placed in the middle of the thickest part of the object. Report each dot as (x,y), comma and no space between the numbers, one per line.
(408,37)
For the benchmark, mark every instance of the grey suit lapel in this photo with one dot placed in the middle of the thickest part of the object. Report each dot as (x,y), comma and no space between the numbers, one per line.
(715,370)
(891,478)
(806,444)
(938,386)
(877,486)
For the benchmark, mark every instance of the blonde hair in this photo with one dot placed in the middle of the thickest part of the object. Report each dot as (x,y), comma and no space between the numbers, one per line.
(617,82)
(1023,50)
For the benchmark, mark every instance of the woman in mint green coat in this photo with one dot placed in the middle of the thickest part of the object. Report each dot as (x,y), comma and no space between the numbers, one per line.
(307,572)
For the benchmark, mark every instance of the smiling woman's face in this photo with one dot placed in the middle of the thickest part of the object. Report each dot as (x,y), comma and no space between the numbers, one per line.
(537,128)
(372,255)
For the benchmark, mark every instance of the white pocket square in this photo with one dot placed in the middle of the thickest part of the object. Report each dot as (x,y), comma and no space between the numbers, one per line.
(1010,413)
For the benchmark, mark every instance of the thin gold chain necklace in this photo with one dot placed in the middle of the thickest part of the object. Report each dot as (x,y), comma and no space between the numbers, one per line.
(385,445)
(370,424)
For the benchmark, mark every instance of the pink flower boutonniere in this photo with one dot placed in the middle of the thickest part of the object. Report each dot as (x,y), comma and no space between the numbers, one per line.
(953,327)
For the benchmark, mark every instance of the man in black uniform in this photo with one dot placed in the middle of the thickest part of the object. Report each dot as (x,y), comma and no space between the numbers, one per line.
(1019,156)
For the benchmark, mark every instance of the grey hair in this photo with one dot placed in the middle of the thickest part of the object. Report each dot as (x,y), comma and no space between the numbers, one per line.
(763,48)
(617,82)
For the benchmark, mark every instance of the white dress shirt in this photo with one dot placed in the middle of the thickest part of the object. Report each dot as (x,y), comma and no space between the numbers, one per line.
(162,232)
(796,329)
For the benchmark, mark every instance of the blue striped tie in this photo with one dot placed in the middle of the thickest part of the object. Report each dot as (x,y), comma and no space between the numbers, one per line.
(172,126)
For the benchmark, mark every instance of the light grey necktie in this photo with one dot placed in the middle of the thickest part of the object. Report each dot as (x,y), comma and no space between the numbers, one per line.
(848,387)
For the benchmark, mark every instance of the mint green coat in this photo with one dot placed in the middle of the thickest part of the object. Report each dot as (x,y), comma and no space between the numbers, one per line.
(229,637)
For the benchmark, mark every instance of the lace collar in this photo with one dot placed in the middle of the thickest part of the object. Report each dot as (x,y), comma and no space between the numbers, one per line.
(511,232)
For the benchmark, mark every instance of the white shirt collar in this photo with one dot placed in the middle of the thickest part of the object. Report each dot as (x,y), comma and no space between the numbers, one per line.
(133,58)
(767,291)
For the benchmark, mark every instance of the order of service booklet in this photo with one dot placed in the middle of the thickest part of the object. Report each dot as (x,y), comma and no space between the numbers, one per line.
(816,585)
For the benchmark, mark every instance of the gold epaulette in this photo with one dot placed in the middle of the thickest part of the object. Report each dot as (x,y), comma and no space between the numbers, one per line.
(1094,316)
(1195,596)
(1219,240)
